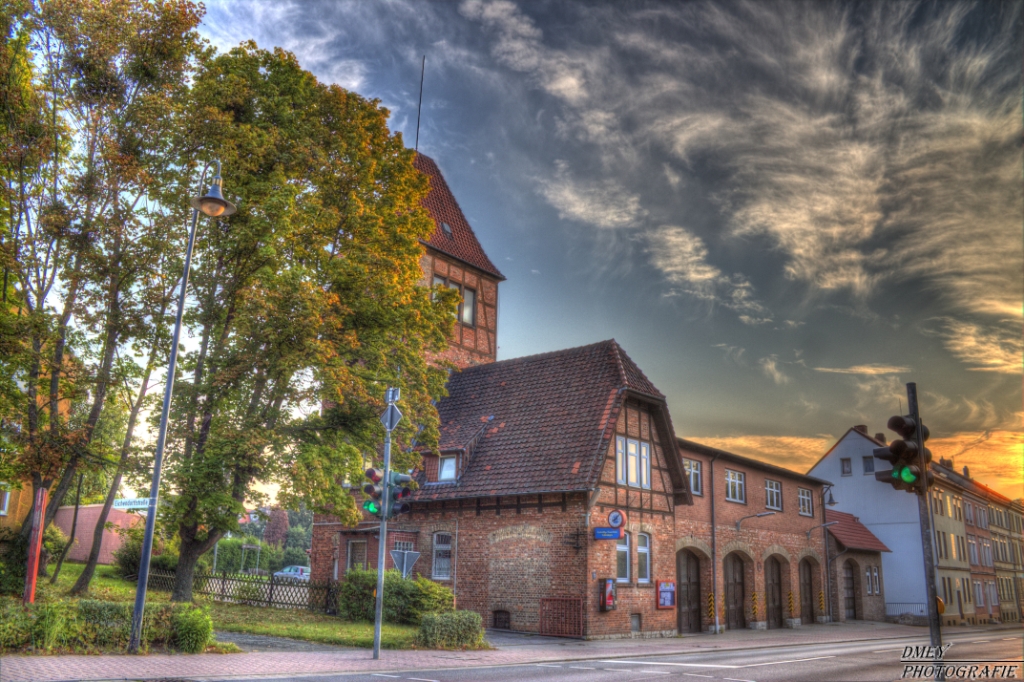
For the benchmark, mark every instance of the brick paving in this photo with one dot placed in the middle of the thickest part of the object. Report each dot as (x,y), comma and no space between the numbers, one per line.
(225,666)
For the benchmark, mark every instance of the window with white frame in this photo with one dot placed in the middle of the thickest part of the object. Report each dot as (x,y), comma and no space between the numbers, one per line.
(442,569)
(633,462)
(869,465)
(979,596)
(643,558)
(356,555)
(692,469)
(735,486)
(446,469)
(773,495)
(874,579)
(969,513)
(404,546)
(5,498)
(972,549)
(845,467)
(806,502)
(622,559)
(466,312)
(867,581)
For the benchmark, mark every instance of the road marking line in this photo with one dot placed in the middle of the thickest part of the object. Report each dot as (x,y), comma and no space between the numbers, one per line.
(695,675)
(981,641)
(422,679)
(733,679)
(1010,639)
(684,665)
(794,660)
(383,675)
(651,672)
(885,651)
(547,665)
(579,667)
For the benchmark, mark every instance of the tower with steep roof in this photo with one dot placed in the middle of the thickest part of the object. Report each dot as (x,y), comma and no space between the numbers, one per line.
(454,258)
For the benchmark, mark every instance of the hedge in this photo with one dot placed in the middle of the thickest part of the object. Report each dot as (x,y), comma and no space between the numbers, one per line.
(405,600)
(91,625)
(451,630)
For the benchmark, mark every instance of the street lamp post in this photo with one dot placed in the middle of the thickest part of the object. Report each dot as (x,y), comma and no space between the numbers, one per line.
(753,516)
(824,537)
(214,205)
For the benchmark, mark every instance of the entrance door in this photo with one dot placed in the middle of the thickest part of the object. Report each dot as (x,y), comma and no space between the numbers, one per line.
(735,619)
(849,593)
(806,593)
(773,591)
(688,577)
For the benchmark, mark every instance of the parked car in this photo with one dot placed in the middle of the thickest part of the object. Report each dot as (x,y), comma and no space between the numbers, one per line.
(293,573)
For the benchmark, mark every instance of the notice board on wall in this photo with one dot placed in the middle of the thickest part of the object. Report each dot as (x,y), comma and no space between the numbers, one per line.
(666,594)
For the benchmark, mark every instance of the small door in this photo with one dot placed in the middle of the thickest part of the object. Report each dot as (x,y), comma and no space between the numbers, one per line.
(735,618)
(806,593)
(849,591)
(773,592)
(688,596)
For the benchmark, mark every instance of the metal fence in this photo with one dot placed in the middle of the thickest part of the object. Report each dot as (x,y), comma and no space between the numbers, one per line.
(255,590)
(904,608)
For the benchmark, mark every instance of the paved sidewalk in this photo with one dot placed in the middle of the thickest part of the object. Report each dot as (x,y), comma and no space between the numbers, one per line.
(512,652)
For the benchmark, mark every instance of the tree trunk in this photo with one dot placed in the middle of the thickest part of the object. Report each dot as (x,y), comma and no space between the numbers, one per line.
(81,585)
(188,556)
(71,538)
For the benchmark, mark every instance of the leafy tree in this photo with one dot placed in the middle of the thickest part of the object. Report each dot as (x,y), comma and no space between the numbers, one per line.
(309,294)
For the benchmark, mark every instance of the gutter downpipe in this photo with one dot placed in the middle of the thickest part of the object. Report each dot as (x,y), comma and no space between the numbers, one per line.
(714,547)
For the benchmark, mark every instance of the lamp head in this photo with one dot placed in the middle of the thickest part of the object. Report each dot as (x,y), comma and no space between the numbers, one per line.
(213,202)
(831,500)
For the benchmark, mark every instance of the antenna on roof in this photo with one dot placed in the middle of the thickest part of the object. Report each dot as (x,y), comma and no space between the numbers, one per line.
(423,68)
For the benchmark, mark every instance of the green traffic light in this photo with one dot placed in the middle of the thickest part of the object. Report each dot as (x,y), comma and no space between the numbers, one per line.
(371,506)
(907,475)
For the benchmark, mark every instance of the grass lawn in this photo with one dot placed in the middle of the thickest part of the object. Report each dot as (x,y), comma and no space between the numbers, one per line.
(254,620)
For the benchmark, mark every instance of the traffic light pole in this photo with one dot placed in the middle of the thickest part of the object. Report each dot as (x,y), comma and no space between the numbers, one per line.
(382,542)
(934,625)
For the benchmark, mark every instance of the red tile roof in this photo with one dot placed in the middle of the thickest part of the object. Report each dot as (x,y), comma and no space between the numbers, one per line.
(852,533)
(461,243)
(535,424)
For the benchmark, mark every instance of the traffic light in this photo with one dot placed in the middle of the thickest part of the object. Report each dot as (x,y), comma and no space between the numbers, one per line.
(374,502)
(399,491)
(903,455)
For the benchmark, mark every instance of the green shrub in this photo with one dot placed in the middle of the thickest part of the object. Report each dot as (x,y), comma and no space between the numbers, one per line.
(127,556)
(405,600)
(164,562)
(431,597)
(452,630)
(54,542)
(56,625)
(13,553)
(250,593)
(15,625)
(193,630)
(295,557)
(105,623)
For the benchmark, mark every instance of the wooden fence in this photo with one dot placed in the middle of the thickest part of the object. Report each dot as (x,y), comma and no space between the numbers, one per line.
(256,590)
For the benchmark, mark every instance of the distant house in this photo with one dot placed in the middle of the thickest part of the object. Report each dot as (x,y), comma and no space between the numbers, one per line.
(15,504)
(88,515)
(858,583)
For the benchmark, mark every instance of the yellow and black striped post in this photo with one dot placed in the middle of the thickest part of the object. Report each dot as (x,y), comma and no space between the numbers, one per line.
(753,604)
(791,609)
(711,607)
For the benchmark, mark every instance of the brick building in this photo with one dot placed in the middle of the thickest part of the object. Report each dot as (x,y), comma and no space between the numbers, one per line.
(858,585)
(88,516)
(537,458)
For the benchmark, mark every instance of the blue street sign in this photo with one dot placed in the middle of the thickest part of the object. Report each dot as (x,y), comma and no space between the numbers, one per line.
(607,533)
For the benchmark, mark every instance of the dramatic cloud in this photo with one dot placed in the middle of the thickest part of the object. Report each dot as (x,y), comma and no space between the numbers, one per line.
(602,205)
(682,257)
(863,369)
(993,348)
(993,457)
(795,453)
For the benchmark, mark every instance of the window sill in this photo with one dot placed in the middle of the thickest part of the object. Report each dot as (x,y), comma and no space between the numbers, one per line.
(736,501)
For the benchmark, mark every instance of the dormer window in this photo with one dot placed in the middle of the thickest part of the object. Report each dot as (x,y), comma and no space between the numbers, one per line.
(446,469)
(447,229)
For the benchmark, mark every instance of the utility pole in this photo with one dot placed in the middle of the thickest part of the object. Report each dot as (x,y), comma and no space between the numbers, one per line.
(390,419)
(934,624)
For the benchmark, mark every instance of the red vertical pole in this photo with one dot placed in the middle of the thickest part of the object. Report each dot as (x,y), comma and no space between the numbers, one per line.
(35,544)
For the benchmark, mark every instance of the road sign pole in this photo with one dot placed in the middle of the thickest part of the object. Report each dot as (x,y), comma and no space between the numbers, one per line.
(934,625)
(390,419)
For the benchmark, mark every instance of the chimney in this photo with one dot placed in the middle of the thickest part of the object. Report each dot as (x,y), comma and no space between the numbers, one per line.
(880,437)
(967,472)
(863,428)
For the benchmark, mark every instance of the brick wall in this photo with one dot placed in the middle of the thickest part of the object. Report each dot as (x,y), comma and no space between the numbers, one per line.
(88,515)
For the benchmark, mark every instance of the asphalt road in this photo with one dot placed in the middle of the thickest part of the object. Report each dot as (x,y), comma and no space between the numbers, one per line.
(853,661)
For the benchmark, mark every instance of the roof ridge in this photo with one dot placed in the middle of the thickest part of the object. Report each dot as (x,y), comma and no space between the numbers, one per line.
(535,356)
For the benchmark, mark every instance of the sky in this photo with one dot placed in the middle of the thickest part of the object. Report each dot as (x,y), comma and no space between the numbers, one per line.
(782,211)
